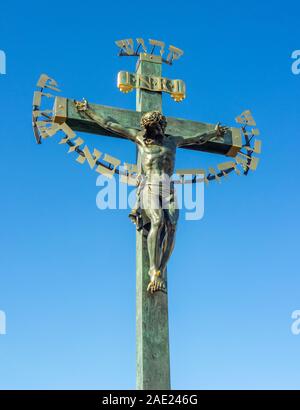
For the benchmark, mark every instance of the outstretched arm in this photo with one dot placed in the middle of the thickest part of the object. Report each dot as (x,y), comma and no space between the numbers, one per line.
(215,134)
(128,133)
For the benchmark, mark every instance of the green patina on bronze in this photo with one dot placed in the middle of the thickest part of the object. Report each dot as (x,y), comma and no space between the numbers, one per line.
(157,142)
(131,119)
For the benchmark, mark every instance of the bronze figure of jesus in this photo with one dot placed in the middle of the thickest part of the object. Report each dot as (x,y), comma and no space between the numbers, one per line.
(156,199)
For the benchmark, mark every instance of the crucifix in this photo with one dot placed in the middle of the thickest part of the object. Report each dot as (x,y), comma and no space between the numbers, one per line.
(157,138)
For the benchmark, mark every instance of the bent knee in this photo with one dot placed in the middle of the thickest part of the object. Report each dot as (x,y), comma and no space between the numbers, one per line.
(157,220)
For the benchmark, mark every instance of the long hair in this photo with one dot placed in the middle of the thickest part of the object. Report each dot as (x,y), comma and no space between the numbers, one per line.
(153,117)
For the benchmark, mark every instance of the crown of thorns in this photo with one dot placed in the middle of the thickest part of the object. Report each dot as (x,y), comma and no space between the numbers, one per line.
(153,117)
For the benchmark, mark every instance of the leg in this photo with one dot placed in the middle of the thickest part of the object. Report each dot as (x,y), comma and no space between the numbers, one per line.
(156,217)
(170,242)
(171,216)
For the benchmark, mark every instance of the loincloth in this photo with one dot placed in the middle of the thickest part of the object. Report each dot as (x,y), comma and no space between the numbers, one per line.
(154,195)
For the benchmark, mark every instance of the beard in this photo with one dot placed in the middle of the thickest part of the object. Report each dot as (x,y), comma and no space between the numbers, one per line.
(154,132)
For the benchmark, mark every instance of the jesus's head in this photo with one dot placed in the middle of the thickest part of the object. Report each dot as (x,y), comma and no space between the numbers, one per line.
(154,123)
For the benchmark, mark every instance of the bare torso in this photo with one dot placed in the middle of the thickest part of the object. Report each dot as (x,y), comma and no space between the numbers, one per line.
(157,157)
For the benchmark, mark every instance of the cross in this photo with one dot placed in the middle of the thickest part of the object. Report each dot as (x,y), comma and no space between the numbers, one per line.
(152,331)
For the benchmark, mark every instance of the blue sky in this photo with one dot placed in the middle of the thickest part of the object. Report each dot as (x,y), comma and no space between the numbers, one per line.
(67,271)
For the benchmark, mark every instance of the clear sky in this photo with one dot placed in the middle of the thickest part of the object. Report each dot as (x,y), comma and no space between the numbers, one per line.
(67,270)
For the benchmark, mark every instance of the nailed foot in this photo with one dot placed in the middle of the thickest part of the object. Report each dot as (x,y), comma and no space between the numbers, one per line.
(156,283)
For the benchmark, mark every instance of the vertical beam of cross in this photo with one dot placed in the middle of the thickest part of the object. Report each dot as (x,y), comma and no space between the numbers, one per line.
(152,326)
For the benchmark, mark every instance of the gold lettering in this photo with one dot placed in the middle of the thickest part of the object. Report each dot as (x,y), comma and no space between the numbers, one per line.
(105,171)
(91,158)
(226,165)
(77,143)
(213,172)
(126,45)
(144,82)
(46,81)
(141,42)
(70,134)
(160,44)
(174,54)
(246,118)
